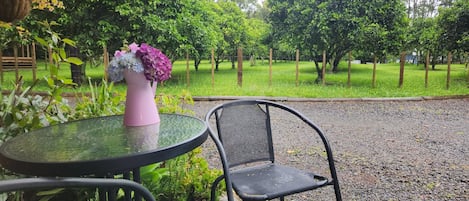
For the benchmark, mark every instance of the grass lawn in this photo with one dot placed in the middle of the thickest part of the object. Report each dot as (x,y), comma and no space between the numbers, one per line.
(284,84)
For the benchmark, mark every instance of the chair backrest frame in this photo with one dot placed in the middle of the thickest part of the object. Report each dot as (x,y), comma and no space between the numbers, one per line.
(262,132)
(219,143)
(41,183)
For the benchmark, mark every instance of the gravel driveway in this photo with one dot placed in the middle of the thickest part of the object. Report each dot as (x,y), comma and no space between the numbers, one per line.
(384,150)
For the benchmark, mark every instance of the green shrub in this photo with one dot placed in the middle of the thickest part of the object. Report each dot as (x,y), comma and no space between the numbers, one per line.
(187,177)
(21,112)
(101,101)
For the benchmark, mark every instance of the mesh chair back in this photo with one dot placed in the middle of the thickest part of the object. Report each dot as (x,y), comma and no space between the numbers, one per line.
(250,142)
(243,135)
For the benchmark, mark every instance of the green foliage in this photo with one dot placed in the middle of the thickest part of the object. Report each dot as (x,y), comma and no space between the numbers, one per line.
(256,31)
(338,27)
(174,104)
(21,112)
(231,23)
(187,177)
(423,34)
(173,26)
(57,45)
(203,31)
(375,36)
(101,101)
(454,24)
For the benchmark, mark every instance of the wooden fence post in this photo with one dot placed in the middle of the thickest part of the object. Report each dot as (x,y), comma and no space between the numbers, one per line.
(51,59)
(373,79)
(401,71)
(467,65)
(1,66)
(297,66)
(427,60)
(105,61)
(323,67)
(15,54)
(33,60)
(188,78)
(448,75)
(270,67)
(213,68)
(349,84)
(240,67)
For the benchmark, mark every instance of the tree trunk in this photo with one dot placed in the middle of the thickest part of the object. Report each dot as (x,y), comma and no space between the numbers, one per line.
(77,72)
(335,65)
(233,63)
(216,66)
(319,70)
(233,60)
(197,63)
(433,60)
(217,62)
(335,60)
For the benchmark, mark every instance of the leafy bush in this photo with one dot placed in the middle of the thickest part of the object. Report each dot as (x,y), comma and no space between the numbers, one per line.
(174,104)
(21,112)
(187,177)
(101,101)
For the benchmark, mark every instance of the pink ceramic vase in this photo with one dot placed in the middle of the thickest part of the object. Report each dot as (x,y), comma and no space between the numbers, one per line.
(140,106)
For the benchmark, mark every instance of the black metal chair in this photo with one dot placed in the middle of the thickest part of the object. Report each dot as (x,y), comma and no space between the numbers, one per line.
(242,132)
(25,184)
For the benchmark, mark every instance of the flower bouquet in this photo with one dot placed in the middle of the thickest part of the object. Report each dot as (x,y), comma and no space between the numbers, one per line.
(144,58)
(142,67)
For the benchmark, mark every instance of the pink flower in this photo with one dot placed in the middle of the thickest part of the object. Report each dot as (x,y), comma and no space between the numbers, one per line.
(119,53)
(133,48)
(157,67)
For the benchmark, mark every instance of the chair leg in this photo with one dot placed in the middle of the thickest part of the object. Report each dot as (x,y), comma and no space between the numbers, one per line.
(338,195)
(214,188)
(282,198)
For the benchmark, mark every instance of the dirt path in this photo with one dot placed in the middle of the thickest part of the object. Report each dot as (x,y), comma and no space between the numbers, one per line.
(385,150)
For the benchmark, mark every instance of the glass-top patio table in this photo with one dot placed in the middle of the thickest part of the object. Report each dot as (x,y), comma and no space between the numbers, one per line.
(101,146)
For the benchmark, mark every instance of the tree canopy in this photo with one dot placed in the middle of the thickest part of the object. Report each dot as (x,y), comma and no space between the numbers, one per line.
(338,27)
(378,27)
(454,24)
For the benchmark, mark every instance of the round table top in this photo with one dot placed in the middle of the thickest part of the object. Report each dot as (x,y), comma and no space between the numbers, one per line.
(100,146)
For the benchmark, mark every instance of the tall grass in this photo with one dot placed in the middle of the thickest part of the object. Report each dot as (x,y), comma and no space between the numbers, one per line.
(284,84)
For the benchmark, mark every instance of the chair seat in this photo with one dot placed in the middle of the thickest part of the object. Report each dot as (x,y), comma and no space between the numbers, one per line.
(273,180)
